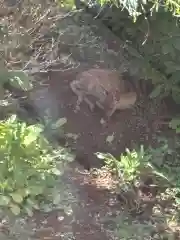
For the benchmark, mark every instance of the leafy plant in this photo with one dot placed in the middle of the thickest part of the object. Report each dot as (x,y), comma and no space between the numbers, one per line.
(132,166)
(135,8)
(127,166)
(175,124)
(166,159)
(29,167)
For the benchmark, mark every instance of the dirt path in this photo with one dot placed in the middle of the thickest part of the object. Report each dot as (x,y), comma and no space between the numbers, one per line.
(89,209)
(82,214)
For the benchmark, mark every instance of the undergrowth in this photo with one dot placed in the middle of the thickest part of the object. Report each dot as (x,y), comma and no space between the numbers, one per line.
(29,167)
(152,41)
(148,185)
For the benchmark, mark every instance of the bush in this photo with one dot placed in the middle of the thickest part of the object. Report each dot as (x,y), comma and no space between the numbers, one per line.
(133,168)
(130,165)
(147,186)
(28,166)
(160,164)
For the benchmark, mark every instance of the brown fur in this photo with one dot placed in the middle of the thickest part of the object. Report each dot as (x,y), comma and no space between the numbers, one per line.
(104,88)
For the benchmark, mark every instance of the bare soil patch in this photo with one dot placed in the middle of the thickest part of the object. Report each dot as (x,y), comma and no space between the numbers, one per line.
(91,206)
(85,133)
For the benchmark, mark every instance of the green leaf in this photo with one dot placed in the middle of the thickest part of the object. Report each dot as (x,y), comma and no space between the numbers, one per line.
(167,48)
(175,79)
(46,208)
(177,200)
(33,133)
(175,124)
(4,200)
(29,210)
(22,192)
(12,119)
(157,91)
(134,53)
(15,209)
(4,76)
(56,199)
(59,123)
(175,91)
(171,66)
(55,171)
(100,155)
(21,80)
(176,43)
(35,190)
(32,203)
(105,156)
(17,197)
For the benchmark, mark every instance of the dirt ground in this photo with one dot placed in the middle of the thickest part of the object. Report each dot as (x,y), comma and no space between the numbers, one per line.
(91,207)
(85,133)
(95,211)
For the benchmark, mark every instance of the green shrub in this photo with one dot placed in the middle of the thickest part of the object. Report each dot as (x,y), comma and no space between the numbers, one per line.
(131,167)
(161,164)
(127,166)
(28,166)
(166,158)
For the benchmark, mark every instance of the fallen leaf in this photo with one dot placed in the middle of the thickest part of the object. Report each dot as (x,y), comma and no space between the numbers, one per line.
(102,121)
(110,138)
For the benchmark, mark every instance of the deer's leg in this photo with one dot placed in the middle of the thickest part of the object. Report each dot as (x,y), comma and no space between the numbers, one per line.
(78,102)
(90,104)
(110,112)
(78,94)
(99,105)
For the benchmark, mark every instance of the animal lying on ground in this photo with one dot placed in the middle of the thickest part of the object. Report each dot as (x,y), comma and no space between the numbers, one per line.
(104,88)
